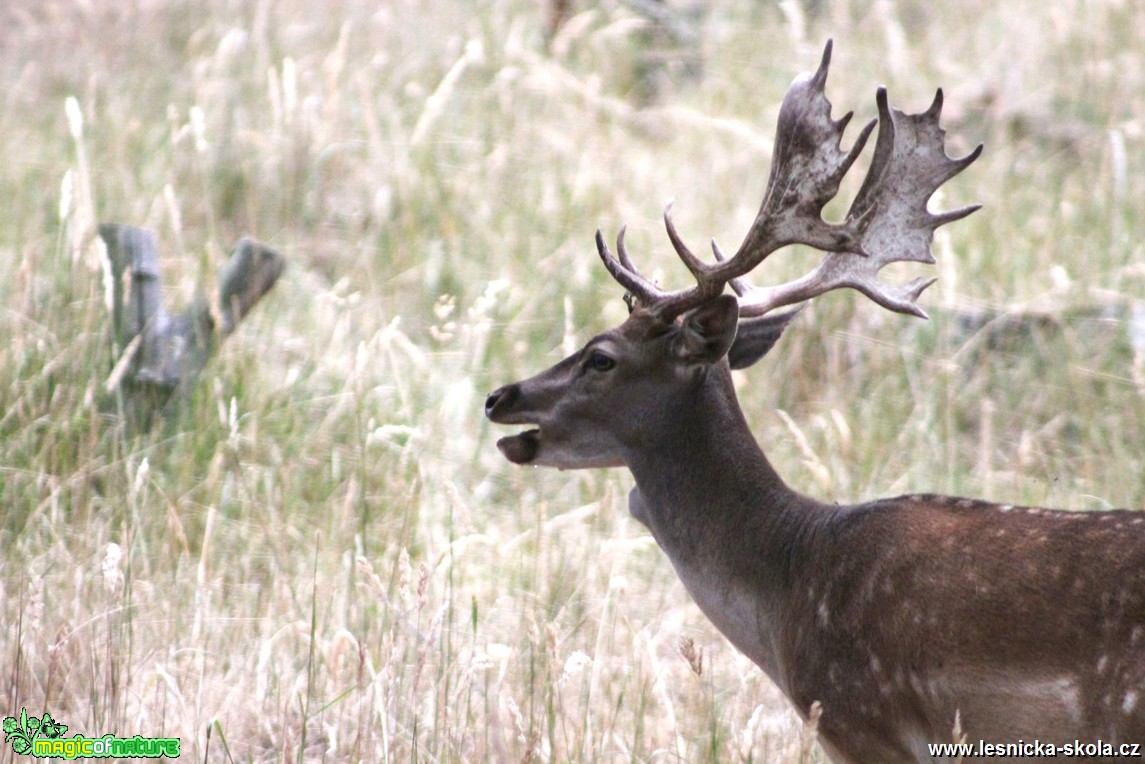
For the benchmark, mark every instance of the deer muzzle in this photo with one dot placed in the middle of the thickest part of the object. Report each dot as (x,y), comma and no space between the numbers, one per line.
(521,448)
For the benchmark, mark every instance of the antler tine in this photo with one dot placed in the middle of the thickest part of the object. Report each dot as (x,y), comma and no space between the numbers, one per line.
(621,251)
(738,285)
(627,276)
(698,267)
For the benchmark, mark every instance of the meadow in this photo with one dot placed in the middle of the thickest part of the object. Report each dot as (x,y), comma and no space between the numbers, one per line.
(320,555)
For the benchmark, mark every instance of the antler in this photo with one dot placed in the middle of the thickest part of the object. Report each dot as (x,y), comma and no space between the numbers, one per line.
(888,220)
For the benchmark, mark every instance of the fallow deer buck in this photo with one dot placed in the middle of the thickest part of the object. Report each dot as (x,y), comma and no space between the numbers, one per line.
(899,616)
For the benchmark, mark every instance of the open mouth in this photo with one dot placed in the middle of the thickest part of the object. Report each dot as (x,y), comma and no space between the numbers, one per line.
(521,448)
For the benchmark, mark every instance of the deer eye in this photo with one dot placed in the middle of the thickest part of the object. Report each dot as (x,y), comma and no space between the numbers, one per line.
(598,361)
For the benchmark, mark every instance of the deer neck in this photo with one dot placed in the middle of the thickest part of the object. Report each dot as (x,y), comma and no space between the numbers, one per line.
(730,525)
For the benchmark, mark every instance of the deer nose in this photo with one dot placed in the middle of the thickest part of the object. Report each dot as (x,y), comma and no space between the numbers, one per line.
(503,396)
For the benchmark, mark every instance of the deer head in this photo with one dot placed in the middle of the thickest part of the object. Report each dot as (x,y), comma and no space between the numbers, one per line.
(623,388)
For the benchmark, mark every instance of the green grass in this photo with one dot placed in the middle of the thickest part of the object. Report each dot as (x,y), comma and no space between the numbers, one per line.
(322,556)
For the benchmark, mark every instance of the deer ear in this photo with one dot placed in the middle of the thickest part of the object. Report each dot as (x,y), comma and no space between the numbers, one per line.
(756,336)
(708,332)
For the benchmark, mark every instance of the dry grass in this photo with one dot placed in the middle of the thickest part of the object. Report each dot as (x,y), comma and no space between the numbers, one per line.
(322,557)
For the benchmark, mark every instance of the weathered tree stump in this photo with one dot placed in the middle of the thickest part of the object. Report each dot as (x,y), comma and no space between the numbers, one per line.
(160,353)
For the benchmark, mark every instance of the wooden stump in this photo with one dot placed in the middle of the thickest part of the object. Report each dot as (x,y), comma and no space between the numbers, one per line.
(160,353)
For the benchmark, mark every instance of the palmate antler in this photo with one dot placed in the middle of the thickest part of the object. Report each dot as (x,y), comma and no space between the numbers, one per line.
(888,220)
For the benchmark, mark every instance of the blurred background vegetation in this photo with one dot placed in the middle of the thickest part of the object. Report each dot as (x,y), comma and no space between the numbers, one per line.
(321,555)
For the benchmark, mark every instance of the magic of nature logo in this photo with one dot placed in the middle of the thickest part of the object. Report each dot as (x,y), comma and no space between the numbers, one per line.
(44,737)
